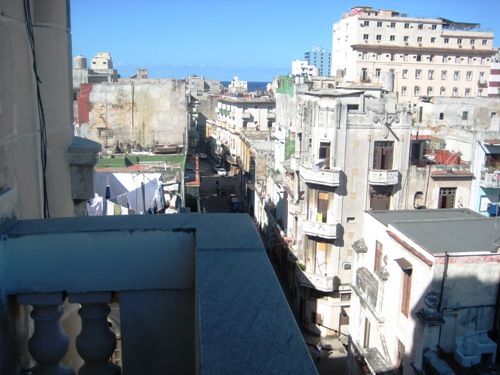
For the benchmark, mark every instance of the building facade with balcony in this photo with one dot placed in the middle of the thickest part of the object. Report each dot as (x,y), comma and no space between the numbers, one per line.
(424,292)
(428,56)
(350,155)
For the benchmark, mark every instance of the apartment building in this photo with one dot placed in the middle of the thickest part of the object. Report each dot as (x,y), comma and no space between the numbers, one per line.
(350,155)
(424,293)
(319,57)
(428,56)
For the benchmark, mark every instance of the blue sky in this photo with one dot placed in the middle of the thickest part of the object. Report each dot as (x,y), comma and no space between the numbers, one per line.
(254,39)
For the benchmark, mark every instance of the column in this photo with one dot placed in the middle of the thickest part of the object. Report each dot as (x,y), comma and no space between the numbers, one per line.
(96,342)
(49,344)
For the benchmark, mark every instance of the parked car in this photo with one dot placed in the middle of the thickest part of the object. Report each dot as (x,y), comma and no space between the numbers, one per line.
(221,172)
(216,167)
(202,155)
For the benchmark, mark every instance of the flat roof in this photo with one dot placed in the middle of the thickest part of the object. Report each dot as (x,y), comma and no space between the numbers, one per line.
(445,230)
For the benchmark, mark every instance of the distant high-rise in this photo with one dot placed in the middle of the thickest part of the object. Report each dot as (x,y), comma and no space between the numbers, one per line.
(321,58)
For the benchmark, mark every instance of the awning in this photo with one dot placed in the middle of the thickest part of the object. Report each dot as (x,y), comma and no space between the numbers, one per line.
(404,264)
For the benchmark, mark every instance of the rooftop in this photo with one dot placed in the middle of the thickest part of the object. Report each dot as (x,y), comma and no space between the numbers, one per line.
(445,230)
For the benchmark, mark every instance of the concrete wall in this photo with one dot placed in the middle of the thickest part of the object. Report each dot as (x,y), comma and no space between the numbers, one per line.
(143,111)
(20,168)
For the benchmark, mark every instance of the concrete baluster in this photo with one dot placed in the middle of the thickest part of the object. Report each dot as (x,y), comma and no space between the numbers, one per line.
(96,342)
(49,344)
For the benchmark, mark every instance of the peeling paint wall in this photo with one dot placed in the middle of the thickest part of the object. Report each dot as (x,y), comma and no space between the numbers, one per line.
(142,111)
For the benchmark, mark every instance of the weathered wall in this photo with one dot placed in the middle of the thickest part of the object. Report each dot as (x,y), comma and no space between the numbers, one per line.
(20,168)
(143,111)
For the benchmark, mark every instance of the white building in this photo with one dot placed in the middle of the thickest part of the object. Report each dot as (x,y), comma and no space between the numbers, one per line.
(102,61)
(237,87)
(423,280)
(494,81)
(302,68)
(429,56)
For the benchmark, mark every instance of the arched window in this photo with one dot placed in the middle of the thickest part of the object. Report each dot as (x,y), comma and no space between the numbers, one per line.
(416,91)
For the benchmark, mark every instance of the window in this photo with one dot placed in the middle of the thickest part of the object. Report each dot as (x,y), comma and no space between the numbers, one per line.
(407,25)
(484,42)
(378,37)
(405,73)
(405,57)
(322,204)
(324,153)
(419,39)
(366,23)
(456,75)
(442,92)
(377,56)
(472,41)
(365,36)
(447,197)
(431,58)
(454,92)
(366,336)
(459,40)
(444,74)
(377,73)
(441,115)
(380,197)
(393,25)
(420,26)
(434,27)
(382,154)
(429,91)
(433,40)
(467,92)
(392,38)
(468,75)
(419,57)
(469,60)
(364,56)
(364,74)
(405,38)
(430,74)
(405,298)
(446,40)
(418,73)
(465,115)
(379,24)
(416,91)
(404,91)
(378,256)
(393,56)
(445,59)
(493,115)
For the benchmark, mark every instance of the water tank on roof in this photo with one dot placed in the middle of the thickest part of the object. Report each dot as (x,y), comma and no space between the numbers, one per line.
(80,62)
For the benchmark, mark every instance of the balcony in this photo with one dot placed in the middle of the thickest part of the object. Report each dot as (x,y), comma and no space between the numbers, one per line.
(383,177)
(180,281)
(315,172)
(490,180)
(318,282)
(318,229)
(293,207)
(246,116)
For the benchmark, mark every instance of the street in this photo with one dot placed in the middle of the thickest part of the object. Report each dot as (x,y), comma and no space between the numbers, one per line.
(210,201)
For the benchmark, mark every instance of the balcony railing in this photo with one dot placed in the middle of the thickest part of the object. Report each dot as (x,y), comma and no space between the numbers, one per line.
(318,282)
(315,172)
(383,177)
(168,302)
(490,180)
(318,229)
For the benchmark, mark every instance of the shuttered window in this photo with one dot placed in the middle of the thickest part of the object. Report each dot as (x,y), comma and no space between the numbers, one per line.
(405,298)
(378,256)
(383,154)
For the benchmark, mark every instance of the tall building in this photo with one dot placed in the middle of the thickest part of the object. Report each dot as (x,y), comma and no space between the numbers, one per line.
(303,68)
(428,56)
(321,58)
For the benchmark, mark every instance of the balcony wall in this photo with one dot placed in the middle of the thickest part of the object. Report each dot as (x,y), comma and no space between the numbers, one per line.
(189,287)
(383,177)
(319,282)
(490,180)
(324,230)
(320,176)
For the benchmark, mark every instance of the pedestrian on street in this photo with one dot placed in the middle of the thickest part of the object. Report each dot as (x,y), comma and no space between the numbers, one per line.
(318,352)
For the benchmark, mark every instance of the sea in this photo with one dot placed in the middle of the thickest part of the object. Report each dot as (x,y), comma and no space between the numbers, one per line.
(252,85)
